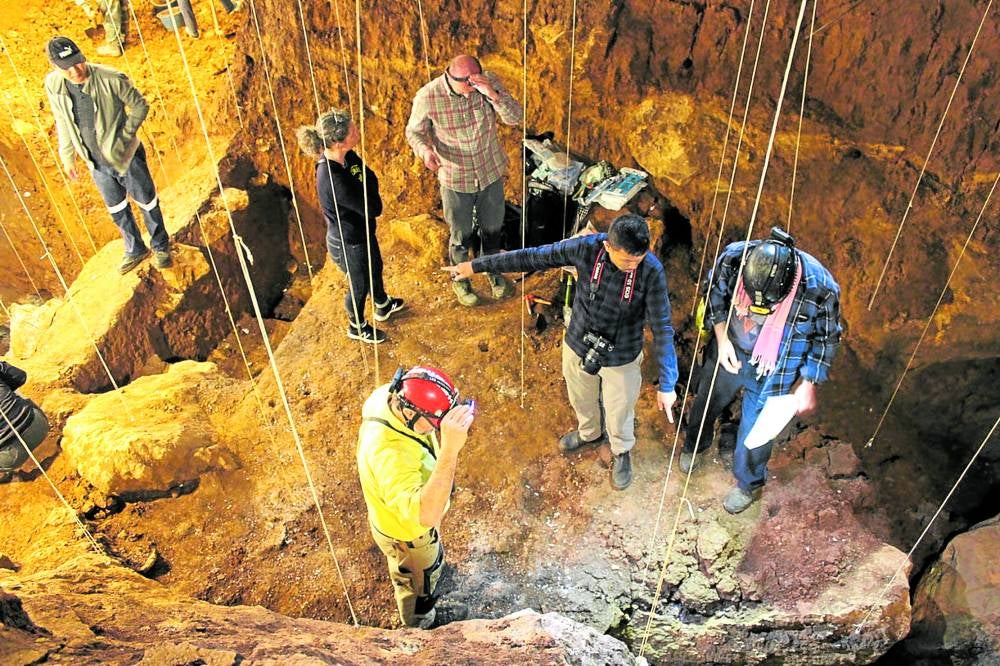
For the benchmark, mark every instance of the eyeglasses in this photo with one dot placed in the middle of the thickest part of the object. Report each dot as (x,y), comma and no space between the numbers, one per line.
(460,79)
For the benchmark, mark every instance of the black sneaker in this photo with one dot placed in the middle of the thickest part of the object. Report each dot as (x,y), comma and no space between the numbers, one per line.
(621,471)
(6,475)
(365,333)
(385,310)
(447,611)
(572,441)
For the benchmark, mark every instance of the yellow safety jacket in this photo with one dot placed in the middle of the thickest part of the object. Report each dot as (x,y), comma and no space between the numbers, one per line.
(394,464)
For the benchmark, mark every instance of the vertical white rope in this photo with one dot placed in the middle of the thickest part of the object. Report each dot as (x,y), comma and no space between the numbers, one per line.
(236,98)
(906,560)
(76,517)
(364,178)
(524,175)
(17,255)
(750,226)
(48,143)
(281,139)
(329,175)
(240,249)
(45,185)
(69,298)
(569,107)
(343,56)
(930,318)
(802,112)
(423,40)
(927,159)
(725,146)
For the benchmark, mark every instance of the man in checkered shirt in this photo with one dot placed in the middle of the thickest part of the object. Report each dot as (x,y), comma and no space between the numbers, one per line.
(453,129)
(780,339)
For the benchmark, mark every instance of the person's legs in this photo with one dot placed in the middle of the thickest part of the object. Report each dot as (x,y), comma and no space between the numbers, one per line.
(584,395)
(356,257)
(187,13)
(709,405)
(377,283)
(414,568)
(113,33)
(490,215)
(750,465)
(457,208)
(619,393)
(139,184)
(112,189)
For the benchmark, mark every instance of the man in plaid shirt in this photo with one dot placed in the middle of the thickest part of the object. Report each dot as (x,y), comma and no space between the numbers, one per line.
(622,287)
(784,329)
(453,129)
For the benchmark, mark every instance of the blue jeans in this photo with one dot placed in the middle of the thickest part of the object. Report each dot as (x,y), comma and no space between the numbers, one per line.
(115,189)
(749,466)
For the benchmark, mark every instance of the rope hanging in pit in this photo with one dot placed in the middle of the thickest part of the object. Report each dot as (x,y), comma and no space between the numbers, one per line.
(906,560)
(694,305)
(927,159)
(524,175)
(930,318)
(281,139)
(739,144)
(423,40)
(802,111)
(343,56)
(45,184)
(17,254)
(266,422)
(76,517)
(750,226)
(48,143)
(569,107)
(62,281)
(364,172)
(333,191)
(240,249)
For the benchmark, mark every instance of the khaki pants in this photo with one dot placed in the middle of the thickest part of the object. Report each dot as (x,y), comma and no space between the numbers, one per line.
(617,389)
(414,568)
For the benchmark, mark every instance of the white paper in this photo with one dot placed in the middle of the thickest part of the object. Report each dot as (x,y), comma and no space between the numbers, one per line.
(777,412)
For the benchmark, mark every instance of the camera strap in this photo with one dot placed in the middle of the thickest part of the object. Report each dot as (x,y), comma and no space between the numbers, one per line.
(628,286)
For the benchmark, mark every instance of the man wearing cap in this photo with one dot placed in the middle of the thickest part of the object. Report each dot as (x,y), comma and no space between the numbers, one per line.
(98,113)
(453,129)
(779,340)
(407,473)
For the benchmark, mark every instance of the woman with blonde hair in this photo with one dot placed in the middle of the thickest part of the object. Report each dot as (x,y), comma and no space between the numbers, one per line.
(341,182)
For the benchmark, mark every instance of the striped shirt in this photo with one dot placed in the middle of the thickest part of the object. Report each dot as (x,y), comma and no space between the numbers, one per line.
(463,132)
(812,333)
(611,313)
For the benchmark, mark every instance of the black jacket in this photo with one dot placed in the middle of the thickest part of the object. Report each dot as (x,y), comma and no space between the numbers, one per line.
(18,410)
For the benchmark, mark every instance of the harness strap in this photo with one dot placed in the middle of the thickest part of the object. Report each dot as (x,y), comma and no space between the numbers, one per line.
(422,443)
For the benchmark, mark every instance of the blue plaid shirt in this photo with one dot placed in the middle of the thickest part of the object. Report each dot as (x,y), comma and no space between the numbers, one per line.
(608,314)
(812,332)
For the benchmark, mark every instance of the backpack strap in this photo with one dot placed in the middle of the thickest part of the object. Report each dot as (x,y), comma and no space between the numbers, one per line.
(422,443)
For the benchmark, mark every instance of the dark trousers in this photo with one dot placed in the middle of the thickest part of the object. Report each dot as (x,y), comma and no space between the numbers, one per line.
(116,188)
(749,466)
(486,208)
(353,261)
(12,452)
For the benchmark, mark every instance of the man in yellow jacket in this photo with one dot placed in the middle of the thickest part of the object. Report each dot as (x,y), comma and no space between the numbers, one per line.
(411,434)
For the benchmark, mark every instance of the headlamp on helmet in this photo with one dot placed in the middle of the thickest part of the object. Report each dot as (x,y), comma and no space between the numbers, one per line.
(427,391)
(769,271)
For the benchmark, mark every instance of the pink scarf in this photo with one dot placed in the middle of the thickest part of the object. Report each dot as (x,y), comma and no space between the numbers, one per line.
(765,350)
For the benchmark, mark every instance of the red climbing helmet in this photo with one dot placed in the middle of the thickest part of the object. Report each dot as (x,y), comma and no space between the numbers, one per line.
(427,391)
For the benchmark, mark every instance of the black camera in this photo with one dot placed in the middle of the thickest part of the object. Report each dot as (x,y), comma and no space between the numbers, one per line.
(596,345)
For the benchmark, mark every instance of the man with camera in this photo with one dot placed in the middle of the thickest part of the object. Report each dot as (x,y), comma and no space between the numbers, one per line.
(775,314)
(411,434)
(621,286)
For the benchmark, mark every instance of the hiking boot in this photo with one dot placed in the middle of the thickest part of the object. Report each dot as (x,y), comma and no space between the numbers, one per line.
(463,289)
(6,475)
(738,500)
(131,261)
(365,333)
(621,471)
(447,611)
(571,441)
(162,259)
(500,286)
(688,461)
(110,50)
(385,310)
